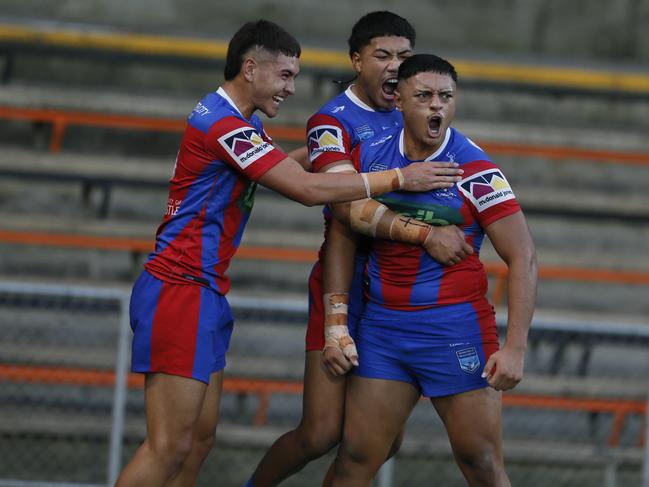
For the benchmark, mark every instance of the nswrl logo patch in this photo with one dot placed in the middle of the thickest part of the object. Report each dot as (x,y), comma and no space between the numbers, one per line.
(324,138)
(468,359)
(486,189)
(245,145)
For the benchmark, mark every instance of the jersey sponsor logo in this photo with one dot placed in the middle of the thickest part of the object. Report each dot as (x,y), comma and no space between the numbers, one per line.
(201,110)
(486,189)
(324,138)
(245,145)
(468,359)
(430,213)
(338,109)
(377,166)
(364,132)
(382,140)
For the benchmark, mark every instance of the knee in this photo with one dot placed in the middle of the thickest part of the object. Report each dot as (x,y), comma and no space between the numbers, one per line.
(172,450)
(320,438)
(203,442)
(483,466)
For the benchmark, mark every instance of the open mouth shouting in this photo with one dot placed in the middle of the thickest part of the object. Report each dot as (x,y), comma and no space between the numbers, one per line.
(388,87)
(434,126)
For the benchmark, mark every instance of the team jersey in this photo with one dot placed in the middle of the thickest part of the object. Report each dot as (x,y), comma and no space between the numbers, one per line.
(339,126)
(211,193)
(404,277)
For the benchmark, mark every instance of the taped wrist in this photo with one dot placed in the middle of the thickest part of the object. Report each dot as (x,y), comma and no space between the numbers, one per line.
(336,306)
(409,230)
(377,183)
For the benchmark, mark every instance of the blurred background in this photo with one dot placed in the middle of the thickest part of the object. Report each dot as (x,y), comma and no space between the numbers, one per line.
(92,104)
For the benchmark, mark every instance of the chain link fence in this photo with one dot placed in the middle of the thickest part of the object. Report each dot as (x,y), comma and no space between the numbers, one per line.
(70,414)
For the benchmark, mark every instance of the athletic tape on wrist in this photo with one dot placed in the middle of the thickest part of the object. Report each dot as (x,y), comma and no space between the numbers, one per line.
(377,183)
(409,230)
(366,182)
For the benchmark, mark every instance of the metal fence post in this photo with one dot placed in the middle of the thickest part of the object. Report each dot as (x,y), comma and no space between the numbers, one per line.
(645,470)
(119,398)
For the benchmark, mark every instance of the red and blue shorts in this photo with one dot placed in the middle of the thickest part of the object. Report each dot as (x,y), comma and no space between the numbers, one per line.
(179,329)
(315,328)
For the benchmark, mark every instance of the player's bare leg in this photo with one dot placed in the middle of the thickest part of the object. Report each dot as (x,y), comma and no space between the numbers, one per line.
(375,412)
(173,405)
(396,446)
(473,423)
(319,431)
(203,436)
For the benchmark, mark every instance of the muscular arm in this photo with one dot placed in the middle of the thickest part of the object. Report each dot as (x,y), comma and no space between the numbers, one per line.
(511,238)
(290,179)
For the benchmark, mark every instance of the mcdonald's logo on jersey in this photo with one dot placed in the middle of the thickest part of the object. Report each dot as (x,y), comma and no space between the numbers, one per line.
(324,138)
(245,145)
(486,189)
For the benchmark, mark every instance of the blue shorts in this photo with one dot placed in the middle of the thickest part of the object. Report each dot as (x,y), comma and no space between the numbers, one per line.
(179,329)
(407,350)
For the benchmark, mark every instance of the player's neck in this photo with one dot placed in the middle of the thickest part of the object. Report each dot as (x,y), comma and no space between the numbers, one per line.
(362,96)
(240,97)
(416,150)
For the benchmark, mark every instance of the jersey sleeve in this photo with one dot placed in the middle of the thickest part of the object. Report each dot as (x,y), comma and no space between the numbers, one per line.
(487,192)
(356,158)
(241,146)
(327,141)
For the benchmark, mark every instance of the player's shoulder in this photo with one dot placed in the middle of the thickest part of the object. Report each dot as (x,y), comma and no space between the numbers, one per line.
(336,106)
(214,109)
(463,150)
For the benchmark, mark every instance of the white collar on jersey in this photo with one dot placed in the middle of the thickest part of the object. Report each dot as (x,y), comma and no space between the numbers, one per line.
(447,136)
(222,92)
(356,100)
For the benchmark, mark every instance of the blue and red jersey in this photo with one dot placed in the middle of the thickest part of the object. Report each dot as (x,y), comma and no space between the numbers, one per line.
(404,277)
(343,123)
(211,193)
(339,126)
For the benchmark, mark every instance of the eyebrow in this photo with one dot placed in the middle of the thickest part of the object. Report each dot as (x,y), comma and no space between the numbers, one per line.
(385,51)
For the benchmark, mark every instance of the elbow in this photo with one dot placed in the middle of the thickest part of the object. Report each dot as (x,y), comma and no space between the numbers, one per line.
(308,197)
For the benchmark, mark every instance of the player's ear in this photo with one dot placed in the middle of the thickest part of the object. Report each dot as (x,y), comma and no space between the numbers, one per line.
(356,62)
(248,68)
(397,100)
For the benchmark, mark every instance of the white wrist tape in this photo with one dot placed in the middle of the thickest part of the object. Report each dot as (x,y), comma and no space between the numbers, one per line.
(402,180)
(366,182)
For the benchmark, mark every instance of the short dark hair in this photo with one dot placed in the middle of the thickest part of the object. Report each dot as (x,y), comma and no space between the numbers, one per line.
(425,63)
(262,33)
(378,24)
